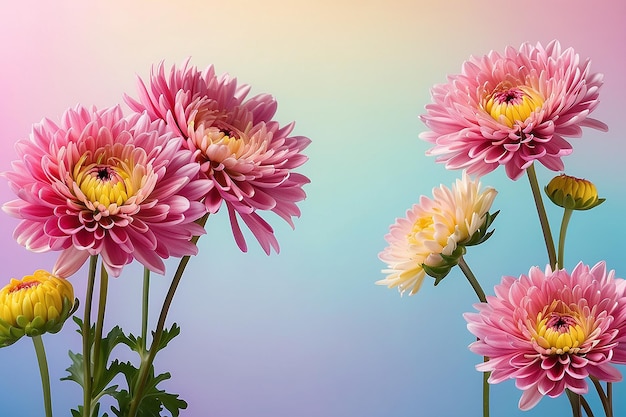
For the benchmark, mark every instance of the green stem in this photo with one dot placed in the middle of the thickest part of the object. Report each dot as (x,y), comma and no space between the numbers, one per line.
(567,215)
(146,365)
(86,331)
(574,400)
(102,299)
(481,296)
(45,375)
(486,390)
(144,309)
(472,280)
(543,218)
(604,398)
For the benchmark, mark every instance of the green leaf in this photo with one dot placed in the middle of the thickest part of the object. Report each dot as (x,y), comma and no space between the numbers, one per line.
(76,370)
(105,375)
(113,338)
(134,343)
(167,336)
(154,400)
(79,411)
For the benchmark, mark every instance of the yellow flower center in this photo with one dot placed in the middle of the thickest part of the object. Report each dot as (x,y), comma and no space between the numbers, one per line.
(512,105)
(105,183)
(560,333)
(227,138)
(224,140)
(420,225)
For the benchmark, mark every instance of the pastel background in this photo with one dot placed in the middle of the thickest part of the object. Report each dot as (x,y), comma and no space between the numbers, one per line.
(306,333)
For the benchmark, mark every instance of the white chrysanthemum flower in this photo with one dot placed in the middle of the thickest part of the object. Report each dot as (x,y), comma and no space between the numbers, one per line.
(436,229)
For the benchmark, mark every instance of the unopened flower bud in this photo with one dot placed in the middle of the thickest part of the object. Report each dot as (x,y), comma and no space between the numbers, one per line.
(573,193)
(36,304)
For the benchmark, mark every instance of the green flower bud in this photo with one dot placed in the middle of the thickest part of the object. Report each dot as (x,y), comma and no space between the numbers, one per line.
(36,304)
(573,193)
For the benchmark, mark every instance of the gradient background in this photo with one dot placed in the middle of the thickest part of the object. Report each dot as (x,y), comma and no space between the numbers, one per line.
(307,333)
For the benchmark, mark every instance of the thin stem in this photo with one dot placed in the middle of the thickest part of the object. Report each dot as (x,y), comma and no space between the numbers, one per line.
(481,296)
(86,331)
(609,397)
(604,398)
(574,400)
(144,368)
(144,309)
(472,280)
(586,406)
(567,214)
(543,218)
(45,375)
(102,300)
(486,390)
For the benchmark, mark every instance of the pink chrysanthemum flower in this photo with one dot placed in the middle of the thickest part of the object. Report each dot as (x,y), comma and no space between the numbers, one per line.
(512,109)
(101,184)
(247,156)
(433,230)
(550,330)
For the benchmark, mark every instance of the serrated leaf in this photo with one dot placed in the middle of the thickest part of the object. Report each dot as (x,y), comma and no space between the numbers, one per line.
(79,322)
(79,411)
(134,343)
(167,336)
(123,401)
(173,403)
(153,399)
(107,344)
(76,369)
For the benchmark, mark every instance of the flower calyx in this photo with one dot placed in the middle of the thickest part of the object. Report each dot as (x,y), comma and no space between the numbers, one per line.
(482,234)
(440,271)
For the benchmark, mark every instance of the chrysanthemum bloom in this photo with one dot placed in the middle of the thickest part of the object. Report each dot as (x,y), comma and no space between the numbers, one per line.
(36,304)
(101,184)
(512,109)
(550,330)
(247,156)
(434,233)
(573,193)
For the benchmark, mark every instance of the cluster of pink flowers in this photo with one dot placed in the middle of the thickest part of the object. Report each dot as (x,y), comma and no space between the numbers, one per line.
(548,330)
(248,158)
(133,187)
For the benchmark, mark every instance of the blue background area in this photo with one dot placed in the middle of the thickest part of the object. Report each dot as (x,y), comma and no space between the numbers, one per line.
(307,333)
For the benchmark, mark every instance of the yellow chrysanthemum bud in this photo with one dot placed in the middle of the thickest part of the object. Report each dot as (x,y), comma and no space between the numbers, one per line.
(36,304)
(573,193)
